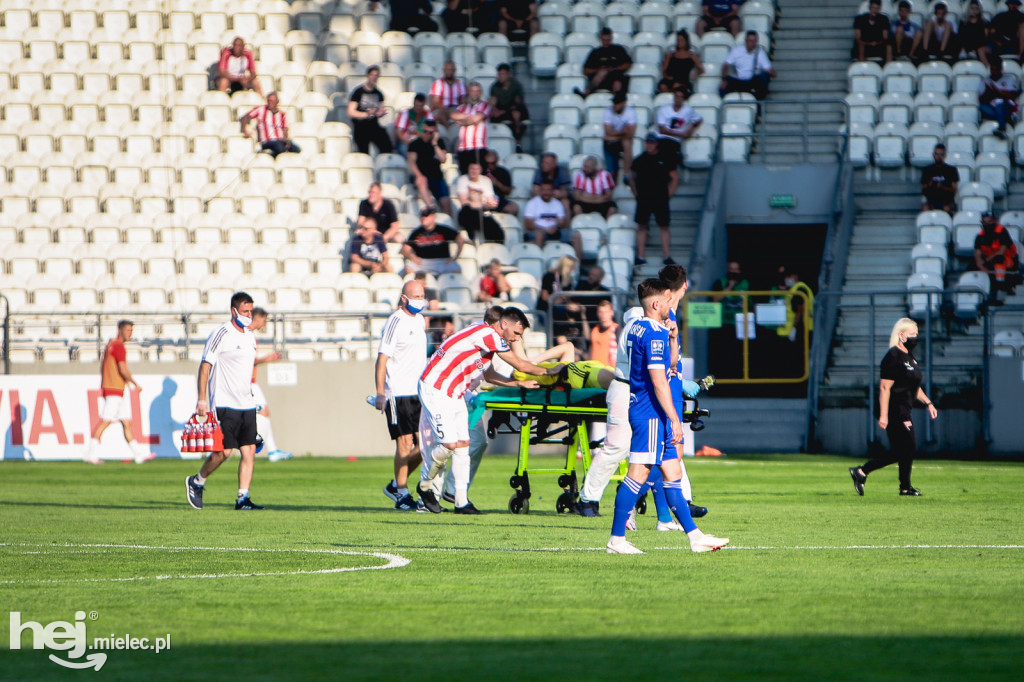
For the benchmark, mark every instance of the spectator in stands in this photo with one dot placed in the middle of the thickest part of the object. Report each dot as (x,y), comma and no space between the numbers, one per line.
(365,107)
(974,34)
(407,14)
(428,248)
(554,282)
(996,254)
(378,213)
(719,14)
(426,154)
(733,281)
(676,122)
(939,183)
(271,127)
(606,67)
(586,306)
(603,342)
(619,128)
(508,102)
(592,190)
(476,194)
(430,293)
(654,181)
(906,34)
(517,19)
(368,253)
(747,69)
(940,40)
(446,93)
(871,35)
(725,350)
(501,180)
(997,97)
(1007,31)
(544,218)
(493,285)
(409,123)
(559,176)
(236,69)
(680,66)
(471,117)
(465,15)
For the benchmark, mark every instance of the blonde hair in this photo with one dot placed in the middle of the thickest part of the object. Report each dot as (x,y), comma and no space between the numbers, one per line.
(902,325)
(565,266)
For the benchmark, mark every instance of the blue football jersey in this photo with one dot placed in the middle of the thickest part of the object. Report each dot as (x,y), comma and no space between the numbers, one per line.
(648,349)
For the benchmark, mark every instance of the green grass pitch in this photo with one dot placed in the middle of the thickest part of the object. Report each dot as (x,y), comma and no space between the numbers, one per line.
(818,584)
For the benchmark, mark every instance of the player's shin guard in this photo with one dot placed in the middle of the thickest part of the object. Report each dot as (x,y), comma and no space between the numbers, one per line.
(433,463)
(677,503)
(460,472)
(625,500)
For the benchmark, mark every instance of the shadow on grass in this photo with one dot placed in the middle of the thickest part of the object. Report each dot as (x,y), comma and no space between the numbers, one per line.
(739,658)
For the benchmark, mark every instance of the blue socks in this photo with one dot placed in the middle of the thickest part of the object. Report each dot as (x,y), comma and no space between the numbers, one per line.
(678,504)
(655,482)
(625,500)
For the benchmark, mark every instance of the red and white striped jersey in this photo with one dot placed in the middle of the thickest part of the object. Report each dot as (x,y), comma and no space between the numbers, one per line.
(269,126)
(474,136)
(462,359)
(599,184)
(450,94)
(408,122)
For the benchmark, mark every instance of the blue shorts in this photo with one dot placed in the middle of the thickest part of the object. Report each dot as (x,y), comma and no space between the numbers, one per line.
(649,442)
(439,188)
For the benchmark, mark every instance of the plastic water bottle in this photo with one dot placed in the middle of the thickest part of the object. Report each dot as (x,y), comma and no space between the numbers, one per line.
(371,400)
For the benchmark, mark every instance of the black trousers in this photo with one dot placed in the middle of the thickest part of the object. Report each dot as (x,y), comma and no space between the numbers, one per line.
(366,131)
(902,447)
(473,220)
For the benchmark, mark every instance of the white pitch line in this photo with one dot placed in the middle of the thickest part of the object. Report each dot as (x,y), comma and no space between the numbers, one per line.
(393,561)
(686,548)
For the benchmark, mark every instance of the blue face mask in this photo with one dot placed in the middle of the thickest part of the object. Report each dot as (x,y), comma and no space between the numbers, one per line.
(243,322)
(415,305)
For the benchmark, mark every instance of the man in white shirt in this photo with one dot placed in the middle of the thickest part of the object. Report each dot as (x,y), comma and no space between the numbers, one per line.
(544,218)
(747,69)
(676,122)
(225,388)
(401,357)
(619,129)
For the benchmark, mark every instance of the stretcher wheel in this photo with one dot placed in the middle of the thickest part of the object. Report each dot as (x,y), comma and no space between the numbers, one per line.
(564,481)
(518,505)
(566,503)
(516,481)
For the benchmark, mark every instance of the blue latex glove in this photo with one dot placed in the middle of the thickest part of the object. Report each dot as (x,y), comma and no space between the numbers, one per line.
(690,388)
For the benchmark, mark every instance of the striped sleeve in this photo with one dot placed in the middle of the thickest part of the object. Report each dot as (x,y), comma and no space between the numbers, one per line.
(213,344)
(389,337)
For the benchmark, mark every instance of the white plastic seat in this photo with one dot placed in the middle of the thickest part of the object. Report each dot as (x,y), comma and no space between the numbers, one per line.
(934,76)
(934,227)
(545,54)
(890,145)
(896,107)
(554,16)
(929,258)
(863,107)
(1008,340)
(992,169)
(966,225)
(899,77)
(971,292)
(931,107)
(923,138)
(923,293)
(655,17)
(864,77)
(968,74)
(861,144)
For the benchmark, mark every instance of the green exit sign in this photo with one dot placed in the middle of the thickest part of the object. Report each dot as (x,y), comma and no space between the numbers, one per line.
(782,201)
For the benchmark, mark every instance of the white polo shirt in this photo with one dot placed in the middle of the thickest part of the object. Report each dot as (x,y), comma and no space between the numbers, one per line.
(545,214)
(232,354)
(404,341)
(748,63)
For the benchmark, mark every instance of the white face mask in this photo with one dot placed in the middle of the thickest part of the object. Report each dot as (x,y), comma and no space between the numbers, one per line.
(415,305)
(243,322)
(790,281)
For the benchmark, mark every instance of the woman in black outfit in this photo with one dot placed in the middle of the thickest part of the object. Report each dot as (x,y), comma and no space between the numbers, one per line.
(901,384)
(679,65)
(974,38)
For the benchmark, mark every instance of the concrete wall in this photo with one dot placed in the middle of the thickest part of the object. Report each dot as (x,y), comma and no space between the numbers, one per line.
(844,431)
(749,186)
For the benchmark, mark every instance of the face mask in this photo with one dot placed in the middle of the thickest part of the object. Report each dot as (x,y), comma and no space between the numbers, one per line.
(910,343)
(790,281)
(242,321)
(415,305)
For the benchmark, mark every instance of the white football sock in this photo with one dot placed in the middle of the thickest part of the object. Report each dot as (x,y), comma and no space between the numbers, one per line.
(460,472)
(264,428)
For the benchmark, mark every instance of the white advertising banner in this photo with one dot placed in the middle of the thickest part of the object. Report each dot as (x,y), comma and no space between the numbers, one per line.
(50,417)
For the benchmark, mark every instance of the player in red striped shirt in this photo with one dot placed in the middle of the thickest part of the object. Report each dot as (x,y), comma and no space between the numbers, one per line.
(592,190)
(461,360)
(271,127)
(472,116)
(446,93)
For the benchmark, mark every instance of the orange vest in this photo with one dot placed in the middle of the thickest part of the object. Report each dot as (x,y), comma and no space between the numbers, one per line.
(112,383)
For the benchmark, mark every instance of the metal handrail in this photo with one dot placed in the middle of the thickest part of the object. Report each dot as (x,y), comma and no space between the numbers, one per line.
(7,335)
(762,130)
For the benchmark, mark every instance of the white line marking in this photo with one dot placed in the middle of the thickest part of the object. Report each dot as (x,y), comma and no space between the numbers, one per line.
(686,548)
(393,561)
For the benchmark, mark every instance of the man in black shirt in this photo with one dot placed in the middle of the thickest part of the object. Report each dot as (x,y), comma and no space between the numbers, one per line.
(365,106)
(426,154)
(501,179)
(871,35)
(428,247)
(606,66)
(654,181)
(939,182)
(379,213)
(407,14)
(1007,31)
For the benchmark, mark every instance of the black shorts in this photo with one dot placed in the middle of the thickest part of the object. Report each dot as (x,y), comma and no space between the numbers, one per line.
(238,426)
(403,413)
(601,208)
(645,208)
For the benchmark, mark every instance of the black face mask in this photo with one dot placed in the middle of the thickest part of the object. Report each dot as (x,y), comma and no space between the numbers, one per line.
(735,276)
(911,343)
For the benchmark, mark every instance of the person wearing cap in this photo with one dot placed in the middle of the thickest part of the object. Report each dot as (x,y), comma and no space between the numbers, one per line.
(676,122)
(1007,30)
(425,156)
(997,97)
(940,40)
(428,248)
(508,102)
(518,16)
(996,255)
(654,180)
(906,34)
(871,35)
(619,129)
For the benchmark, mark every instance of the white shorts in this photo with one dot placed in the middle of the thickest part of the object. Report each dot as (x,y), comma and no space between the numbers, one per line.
(447,418)
(116,408)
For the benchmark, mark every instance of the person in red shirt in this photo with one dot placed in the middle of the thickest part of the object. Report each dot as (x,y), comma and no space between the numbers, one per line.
(996,254)
(236,69)
(493,284)
(271,127)
(114,379)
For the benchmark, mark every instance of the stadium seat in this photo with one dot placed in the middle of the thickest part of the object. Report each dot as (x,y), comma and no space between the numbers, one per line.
(931,107)
(993,169)
(972,290)
(899,77)
(1008,343)
(890,145)
(862,107)
(896,107)
(861,144)
(929,258)
(554,17)
(968,75)
(975,196)
(966,225)
(545,54)
(934,76)
(923,293)
(934,227)
(923,138)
